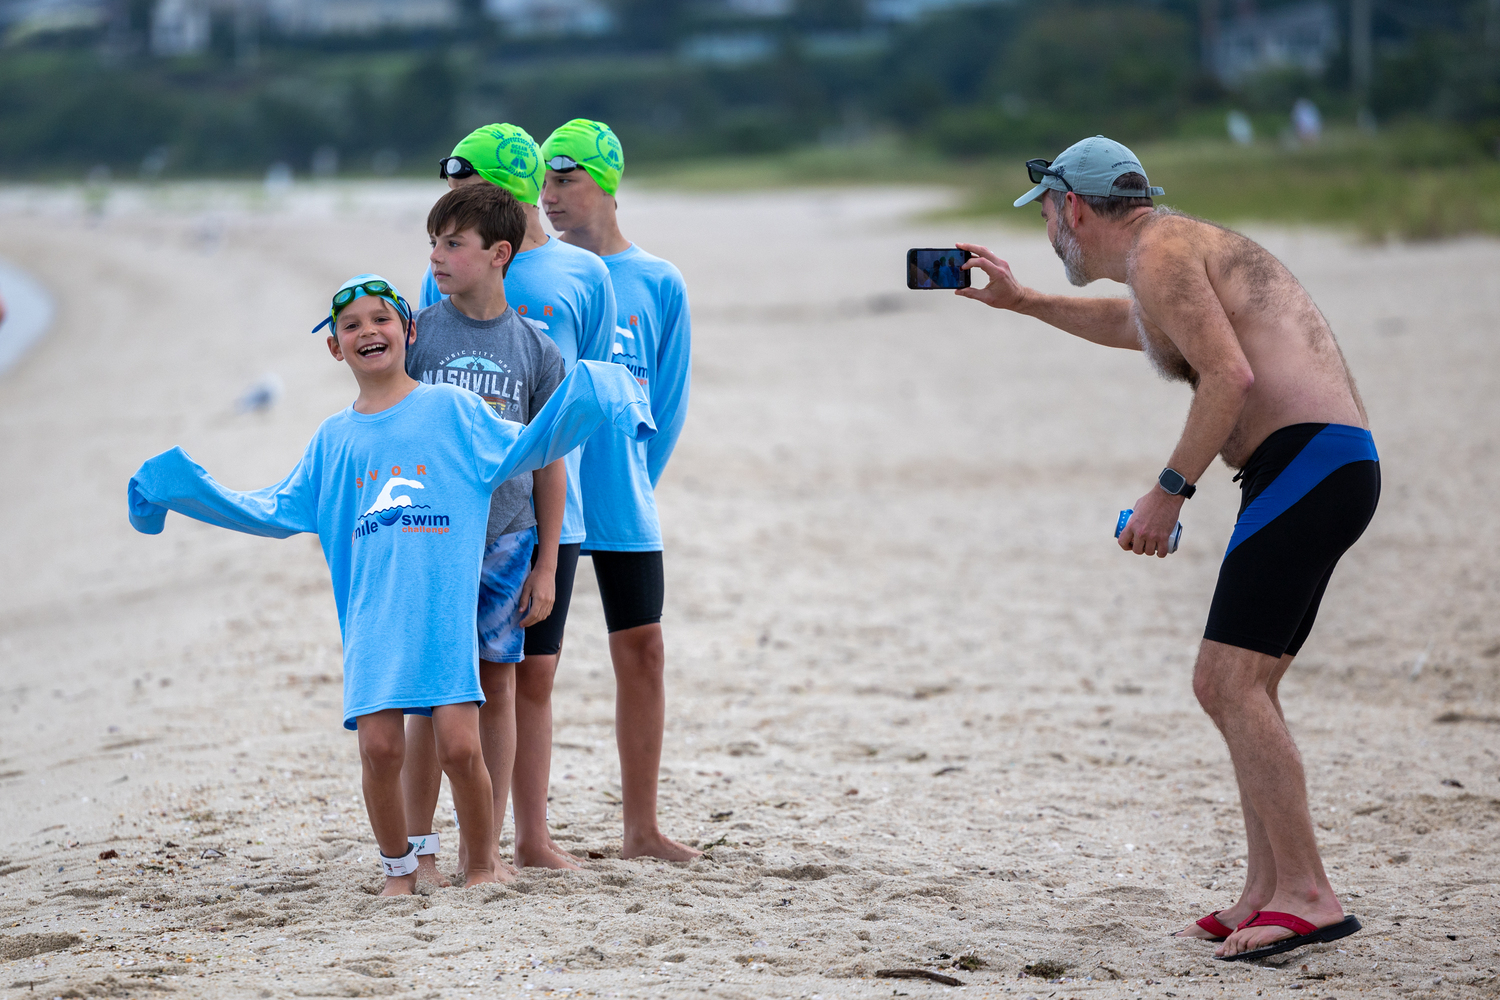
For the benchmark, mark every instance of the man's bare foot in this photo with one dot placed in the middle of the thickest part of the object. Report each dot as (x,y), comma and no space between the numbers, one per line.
(427,871)
(550,856)
(1231,917)
(400,885)
(654,845)
(1319,913)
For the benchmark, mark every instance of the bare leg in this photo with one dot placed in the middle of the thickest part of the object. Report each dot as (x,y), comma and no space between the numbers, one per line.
(382,747)
(1238,689)
(640,716)
(533,771)
(421,781)
(497,733)
(1260,863)
(461,753)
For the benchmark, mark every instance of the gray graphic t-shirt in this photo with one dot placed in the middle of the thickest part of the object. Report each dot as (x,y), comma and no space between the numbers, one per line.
(511,364)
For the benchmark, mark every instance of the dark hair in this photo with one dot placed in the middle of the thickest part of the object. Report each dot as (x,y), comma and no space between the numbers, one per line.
(1114,206)
(487,208)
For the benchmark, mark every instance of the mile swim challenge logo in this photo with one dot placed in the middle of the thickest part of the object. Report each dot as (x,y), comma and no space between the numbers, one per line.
(388,509)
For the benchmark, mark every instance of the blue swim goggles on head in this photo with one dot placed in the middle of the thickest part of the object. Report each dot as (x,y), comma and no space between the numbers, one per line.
(355,287)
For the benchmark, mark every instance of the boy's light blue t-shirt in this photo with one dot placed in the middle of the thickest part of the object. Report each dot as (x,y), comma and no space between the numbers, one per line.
(653,339)
(566,292)
(400,500)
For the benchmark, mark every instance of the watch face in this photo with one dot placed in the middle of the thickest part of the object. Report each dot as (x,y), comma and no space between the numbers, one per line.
(1172,481)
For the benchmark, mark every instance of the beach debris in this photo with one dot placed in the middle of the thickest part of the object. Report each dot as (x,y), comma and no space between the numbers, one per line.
(106,855)
(1447,717)
(723,839)
(946,770)
(211,853)
(969,962)
(263,395)
(1046,968)
(935,977)
(719,817)
(1451,783)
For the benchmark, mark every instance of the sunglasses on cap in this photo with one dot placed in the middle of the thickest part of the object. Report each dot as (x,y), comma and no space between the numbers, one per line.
(380,289)
(455,166)
(1038,169)
(563,164)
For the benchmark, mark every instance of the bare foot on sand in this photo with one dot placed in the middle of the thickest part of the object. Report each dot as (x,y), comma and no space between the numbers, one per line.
(655,845)
(400,885)
(550,856)
(427,872)
(481,876)
(504,870)
(1319,913)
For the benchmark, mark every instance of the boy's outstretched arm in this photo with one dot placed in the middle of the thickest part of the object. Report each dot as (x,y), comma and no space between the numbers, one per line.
(173,481)
(593,394)
(549,493)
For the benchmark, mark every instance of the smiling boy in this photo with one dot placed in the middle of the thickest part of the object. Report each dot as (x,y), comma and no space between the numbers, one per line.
(398,488)
(475,340)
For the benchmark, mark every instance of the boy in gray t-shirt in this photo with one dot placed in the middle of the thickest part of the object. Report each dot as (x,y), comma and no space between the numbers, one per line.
(511,364)
(475,340)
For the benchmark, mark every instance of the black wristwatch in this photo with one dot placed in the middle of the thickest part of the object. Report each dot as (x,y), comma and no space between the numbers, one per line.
(1173,482)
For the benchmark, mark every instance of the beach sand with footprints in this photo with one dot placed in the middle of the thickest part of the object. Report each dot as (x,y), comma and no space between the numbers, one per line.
(923,711)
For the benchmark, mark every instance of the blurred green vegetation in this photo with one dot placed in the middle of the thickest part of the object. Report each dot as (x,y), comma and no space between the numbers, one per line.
(961,94)
(1413,182)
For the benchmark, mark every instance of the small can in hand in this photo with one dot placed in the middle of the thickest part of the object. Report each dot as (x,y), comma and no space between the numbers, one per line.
(1172,539)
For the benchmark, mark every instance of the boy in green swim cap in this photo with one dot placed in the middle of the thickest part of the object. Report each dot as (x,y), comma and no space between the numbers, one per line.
(652,339)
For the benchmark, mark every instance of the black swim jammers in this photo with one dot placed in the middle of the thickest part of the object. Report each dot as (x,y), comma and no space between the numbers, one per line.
(1306,496)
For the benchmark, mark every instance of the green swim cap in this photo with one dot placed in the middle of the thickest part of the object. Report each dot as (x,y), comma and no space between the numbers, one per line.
(592,146)
(506,156)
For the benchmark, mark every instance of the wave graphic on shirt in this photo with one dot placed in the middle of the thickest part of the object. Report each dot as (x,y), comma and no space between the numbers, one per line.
(387,508)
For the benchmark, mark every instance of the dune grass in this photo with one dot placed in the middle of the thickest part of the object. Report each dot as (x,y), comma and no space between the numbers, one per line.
(1412,183)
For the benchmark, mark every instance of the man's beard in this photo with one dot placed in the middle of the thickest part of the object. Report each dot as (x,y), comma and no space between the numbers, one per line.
(1070,252)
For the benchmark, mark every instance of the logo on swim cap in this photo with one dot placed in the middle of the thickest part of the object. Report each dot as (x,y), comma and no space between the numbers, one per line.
(517,154)
(608,147)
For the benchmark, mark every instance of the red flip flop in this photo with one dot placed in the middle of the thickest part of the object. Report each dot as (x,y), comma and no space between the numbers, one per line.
(1303,933)
(1211,924)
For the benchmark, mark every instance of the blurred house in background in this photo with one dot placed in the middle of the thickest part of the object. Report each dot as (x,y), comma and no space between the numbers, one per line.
(359,17)
(550,18)
(21,19)
(1302,37)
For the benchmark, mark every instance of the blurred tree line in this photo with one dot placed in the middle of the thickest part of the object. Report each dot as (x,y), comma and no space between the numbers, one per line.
(964,80)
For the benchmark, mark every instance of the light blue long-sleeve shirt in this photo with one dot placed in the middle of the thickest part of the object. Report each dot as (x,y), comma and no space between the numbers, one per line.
(653,339)
(566,292)
(400,501)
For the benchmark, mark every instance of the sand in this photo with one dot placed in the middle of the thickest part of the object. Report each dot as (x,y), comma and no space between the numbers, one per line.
(919,703)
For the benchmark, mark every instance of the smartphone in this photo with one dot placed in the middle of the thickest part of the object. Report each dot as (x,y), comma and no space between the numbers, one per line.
(940,267)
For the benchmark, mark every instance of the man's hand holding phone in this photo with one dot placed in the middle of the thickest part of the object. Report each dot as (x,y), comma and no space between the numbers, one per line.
(1003,290)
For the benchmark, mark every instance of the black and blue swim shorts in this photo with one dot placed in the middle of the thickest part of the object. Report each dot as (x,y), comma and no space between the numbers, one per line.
(1306,496)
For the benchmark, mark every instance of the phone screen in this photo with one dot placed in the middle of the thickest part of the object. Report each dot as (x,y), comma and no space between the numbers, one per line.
(937,268)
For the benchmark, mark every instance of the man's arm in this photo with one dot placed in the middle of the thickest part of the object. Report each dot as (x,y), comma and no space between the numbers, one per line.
(549,491)
(1176,296)
(1098,320)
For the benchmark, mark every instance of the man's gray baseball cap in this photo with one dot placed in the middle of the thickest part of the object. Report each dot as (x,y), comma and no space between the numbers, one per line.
(1090,168)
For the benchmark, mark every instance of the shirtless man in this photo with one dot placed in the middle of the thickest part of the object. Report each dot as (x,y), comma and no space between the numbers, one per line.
(1272,396)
